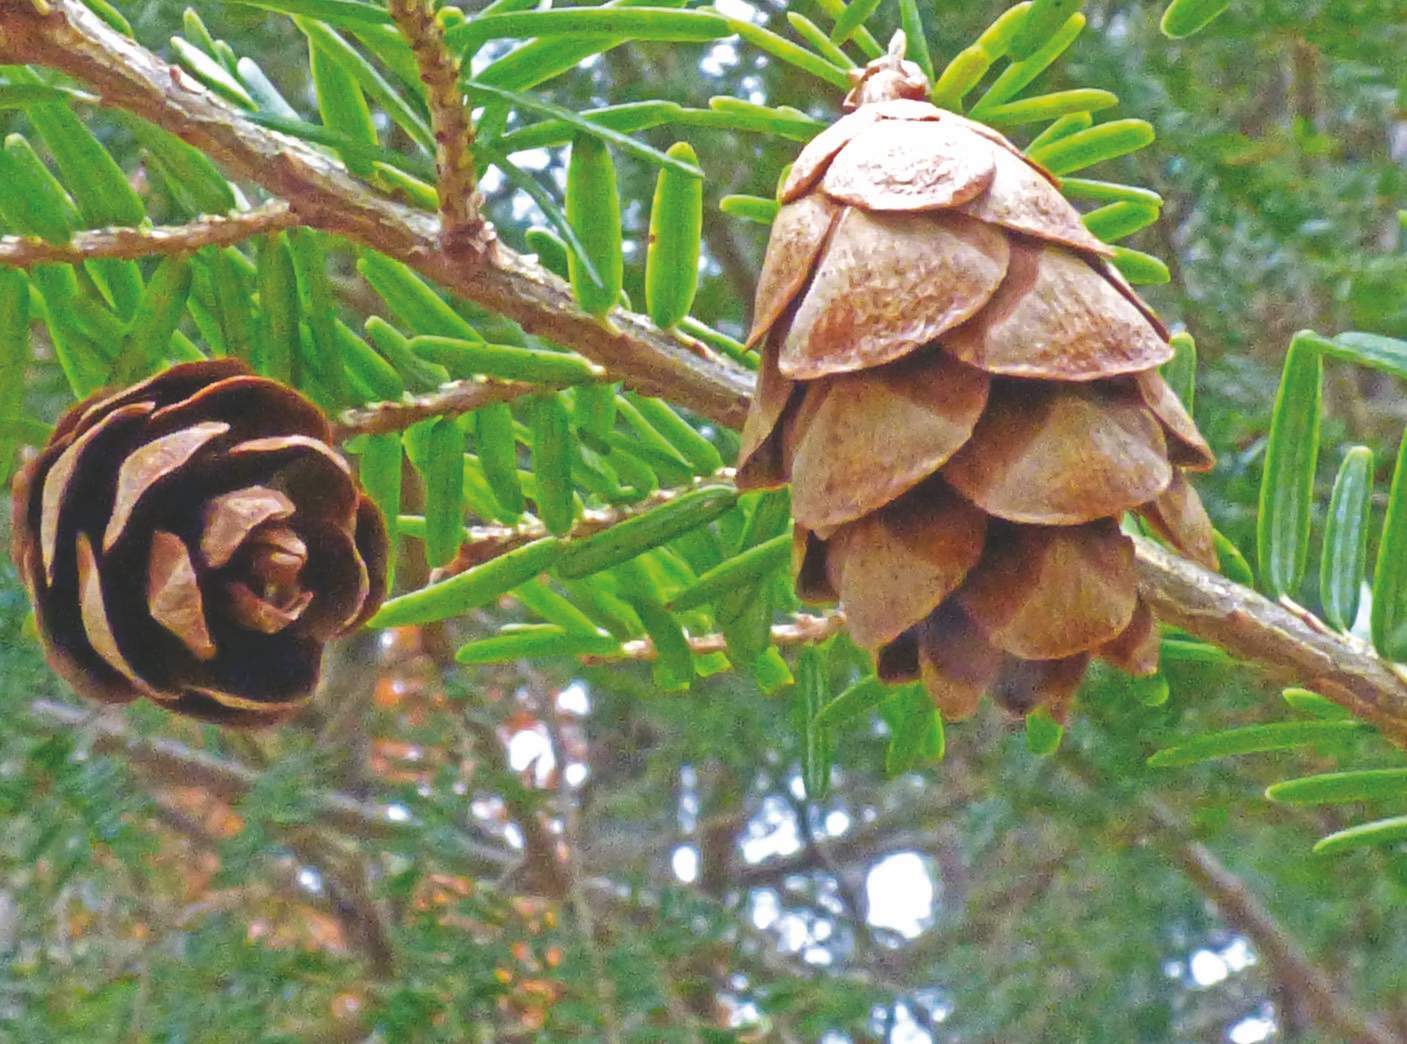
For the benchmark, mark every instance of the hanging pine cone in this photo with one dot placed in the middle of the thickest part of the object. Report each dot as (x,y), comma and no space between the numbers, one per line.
(964,396)
(195,540)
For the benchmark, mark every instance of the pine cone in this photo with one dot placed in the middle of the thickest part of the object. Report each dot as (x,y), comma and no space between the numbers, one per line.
(964,396)
(195,540)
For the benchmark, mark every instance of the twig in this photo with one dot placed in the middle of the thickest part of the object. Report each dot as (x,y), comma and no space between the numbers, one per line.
(804,629)
(1255,629)
(462,225)
(132,243)
(482,543)
(127,76)
(448,400)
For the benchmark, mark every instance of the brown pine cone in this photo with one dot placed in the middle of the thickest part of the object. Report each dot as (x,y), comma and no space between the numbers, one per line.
(964,396)
(194,539)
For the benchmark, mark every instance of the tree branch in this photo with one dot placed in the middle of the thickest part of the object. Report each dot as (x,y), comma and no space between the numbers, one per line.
(133,243)
(125,75)
(462,226)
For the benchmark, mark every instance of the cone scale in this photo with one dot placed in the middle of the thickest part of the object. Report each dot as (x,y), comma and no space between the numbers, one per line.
(964,396)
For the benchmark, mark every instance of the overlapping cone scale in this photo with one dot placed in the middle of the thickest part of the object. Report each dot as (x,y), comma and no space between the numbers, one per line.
(965,398)
(195,540)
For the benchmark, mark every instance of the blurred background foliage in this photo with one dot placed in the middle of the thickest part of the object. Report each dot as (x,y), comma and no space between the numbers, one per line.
(992,895)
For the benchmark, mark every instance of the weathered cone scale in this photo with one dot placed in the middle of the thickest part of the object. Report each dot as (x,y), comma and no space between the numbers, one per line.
(965,398)
(194,539)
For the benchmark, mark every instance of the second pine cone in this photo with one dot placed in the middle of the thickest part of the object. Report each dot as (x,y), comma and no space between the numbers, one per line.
(964,395)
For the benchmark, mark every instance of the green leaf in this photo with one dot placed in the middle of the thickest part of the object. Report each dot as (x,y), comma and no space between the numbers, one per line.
(908,713)
(534,642)
(1181,370)
(1233,564)
(536,62)
(262,89)
(190,175)
(630,116)
(375,86)
(911,21)
(1043,733)
(319,309)
(551,459)
(343,107)
(1340,787)
(1060,129)
(498,454)
(1287,483)
(814,35)
(1042,21)
(1016,76)
(632,23)
(634,536)
(1109,192)
(1049,106)
(470,589)
(852,18)
(679,435)
(585,128)
(31,199)
(444,492)
(1139,268)
(1387,354)
(784,50)
(758,209)
(1151,690)
(156,318)
(971,64)
(1185,17)
(835,10)
(211,73)
(350,13)
(1316,706)
(1345,555)
(1378,832)
(14,360)
(738,572)
(1389,611)
(380,473)
(505,362)
(1257,739)
(593,211)
(1096,144)
(1116,221)
(675,242)
(413,302)
(552,607)
(863,695)
(278,309)
(814,739)
(673,667)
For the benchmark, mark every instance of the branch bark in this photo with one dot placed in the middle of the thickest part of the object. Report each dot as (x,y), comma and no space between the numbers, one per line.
(125,75)
(133,243)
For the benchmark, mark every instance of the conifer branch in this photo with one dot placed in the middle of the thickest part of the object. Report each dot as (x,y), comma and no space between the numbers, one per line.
(69,38)
(133,243)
